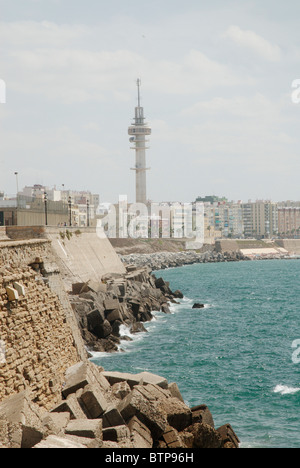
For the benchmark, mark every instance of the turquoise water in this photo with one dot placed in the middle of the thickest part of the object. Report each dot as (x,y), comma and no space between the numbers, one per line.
(236,354)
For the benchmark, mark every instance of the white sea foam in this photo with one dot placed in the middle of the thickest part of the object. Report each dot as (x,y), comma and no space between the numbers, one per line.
(286,390)
(124,330)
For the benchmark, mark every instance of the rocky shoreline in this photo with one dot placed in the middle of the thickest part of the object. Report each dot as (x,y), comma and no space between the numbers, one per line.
(163,260)
(111,410)
(129,300)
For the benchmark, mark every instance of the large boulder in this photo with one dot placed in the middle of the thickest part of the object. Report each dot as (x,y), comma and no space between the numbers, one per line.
(140,434)
(146,410)
(205,436)
(23,420)
(87,428)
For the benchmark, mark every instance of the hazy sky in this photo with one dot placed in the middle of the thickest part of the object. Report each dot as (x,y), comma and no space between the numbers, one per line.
(216,87)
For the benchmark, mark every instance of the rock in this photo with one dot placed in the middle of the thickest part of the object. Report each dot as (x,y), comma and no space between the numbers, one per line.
(104,330)
(112,418)
(228,436)
(114,315)
(201,414)
(174,390)
(140,434)
(148,412)
(55,423)
(111,304)
(137,327)
(95,319)
(116,434)
(179,415)
(149,378)
(121,390)
(198,306)
(88,443)
(93,402)
(56,442)
(24,420)
(135,379)
(205,436)
(87,428)
(76,377)
(117,377)
(70,406)
(171,439)
(178,294)
(165,309)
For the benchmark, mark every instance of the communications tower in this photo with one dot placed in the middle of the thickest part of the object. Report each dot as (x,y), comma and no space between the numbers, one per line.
(138,132)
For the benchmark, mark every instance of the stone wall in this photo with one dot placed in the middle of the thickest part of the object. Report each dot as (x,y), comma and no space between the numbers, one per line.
(38,342)
(38,332)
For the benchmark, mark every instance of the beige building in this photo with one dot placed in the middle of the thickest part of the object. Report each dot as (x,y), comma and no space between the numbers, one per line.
(260,219)
(289,221)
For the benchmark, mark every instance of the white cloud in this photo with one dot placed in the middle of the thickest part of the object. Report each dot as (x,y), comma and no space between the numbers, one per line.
(252,41)
(72,63)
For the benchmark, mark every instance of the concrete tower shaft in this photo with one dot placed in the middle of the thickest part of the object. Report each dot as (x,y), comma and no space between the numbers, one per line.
(138,132)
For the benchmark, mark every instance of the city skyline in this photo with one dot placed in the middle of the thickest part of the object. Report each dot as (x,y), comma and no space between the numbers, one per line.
(217,85)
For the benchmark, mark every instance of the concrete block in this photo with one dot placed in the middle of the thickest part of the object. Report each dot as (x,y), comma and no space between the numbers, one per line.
(121,390)
(112,418)
(201,414)
(20,288)
(229,437)
(149,378)
(148,412)
(55,423)
(114,315)
(116,434)
(175,392)
(55,442)
(88,428)
(116,377)
(111,304)
(95,318)
(76,377)
(24,418)
(93,401)
(179,415)
(88,443)
(140,434)
(77,288)
(12,294)
(70,406)
(172,438)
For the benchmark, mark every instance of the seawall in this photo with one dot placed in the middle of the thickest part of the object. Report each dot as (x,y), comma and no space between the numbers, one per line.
(36,331)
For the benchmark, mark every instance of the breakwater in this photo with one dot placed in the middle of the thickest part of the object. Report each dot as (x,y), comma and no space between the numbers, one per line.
(163,260)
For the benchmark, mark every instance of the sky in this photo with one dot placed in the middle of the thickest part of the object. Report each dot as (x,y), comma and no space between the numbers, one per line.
(217,90)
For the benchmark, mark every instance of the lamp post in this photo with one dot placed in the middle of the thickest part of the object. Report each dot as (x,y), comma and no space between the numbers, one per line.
(88,212)
(70,211)
(17,182)
(46,208)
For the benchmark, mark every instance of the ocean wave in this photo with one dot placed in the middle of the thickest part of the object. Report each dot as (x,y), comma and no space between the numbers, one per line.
(286,390)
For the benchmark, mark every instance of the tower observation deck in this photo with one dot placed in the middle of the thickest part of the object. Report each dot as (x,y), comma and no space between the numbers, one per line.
(138,132)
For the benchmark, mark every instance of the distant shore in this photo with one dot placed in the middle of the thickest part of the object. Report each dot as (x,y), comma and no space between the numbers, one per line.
(163,260)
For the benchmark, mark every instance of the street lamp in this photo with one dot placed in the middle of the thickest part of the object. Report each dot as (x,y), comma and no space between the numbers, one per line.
(46,208)
(70,211)
(88,212)
(17,182)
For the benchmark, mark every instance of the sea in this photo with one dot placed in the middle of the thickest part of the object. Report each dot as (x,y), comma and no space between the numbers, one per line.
(239,355)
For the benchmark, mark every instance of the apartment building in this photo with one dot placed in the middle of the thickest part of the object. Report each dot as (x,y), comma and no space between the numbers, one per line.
(260,219)
(289,221)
